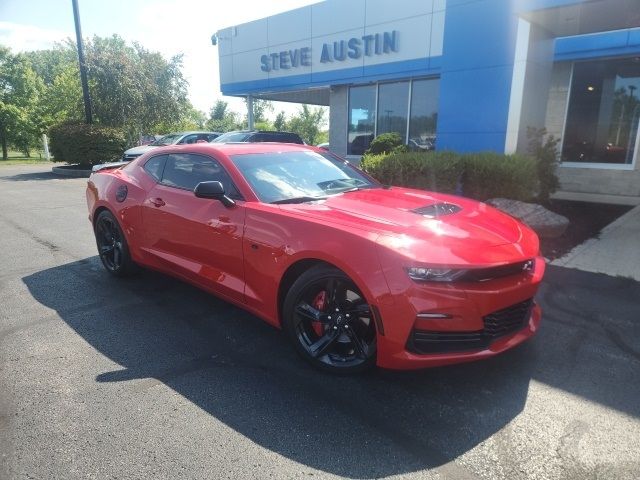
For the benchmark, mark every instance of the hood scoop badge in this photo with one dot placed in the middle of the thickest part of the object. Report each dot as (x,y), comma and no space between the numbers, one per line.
(438,209)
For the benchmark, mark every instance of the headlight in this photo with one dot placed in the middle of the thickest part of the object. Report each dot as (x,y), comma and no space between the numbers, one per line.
(428,274)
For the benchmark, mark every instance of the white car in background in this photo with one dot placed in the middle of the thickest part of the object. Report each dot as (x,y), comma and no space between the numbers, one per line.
(171,139)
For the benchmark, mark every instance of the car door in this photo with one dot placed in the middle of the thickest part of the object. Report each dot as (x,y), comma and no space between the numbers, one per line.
(197,238)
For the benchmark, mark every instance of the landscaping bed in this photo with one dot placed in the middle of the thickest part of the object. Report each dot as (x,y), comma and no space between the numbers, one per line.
(586,220)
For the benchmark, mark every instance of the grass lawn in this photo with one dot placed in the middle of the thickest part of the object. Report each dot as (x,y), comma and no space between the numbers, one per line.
(18,158)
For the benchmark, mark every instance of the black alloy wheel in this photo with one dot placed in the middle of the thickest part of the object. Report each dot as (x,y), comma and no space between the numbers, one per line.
(330,322)
(112,246)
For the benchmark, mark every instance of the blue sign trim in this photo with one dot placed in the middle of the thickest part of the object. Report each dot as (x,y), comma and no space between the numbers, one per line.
(533,5)
(598,45)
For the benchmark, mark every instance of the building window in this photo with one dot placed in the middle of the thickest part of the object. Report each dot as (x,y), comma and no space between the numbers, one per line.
(362,118)
(424,114)
(604,108)
(393,103)
(409,108)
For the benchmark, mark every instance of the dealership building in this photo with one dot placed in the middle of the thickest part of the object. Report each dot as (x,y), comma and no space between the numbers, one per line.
(462,75)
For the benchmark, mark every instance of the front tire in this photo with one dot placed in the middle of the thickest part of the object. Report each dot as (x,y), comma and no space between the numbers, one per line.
(112,245)
(329,321)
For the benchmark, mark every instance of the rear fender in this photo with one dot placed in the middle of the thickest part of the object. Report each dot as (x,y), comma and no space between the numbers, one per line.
(101,194)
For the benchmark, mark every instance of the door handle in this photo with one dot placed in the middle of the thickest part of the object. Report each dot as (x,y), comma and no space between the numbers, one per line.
(158,202)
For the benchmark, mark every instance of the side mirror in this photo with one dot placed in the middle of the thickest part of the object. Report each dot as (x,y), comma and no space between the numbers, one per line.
(213,190)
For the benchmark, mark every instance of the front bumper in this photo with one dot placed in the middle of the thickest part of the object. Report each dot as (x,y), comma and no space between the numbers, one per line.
(467,307)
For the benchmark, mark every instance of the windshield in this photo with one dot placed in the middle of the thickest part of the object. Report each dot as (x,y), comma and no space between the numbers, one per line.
(231,137)
(167,140)
(289,177)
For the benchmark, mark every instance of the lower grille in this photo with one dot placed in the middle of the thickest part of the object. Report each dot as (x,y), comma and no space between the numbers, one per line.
(508,319)
(497,324)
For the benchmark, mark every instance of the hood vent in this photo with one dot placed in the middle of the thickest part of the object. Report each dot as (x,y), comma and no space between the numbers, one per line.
(438,210)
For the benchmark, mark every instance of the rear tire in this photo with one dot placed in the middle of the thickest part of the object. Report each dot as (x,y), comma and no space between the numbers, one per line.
(112,245)
(329,321)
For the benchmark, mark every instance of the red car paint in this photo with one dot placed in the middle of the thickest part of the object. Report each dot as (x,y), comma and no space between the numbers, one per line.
(243,253)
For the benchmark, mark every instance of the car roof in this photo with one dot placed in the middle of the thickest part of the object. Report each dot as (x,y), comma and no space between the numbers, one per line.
(241,148)
(262,131)
(191,132)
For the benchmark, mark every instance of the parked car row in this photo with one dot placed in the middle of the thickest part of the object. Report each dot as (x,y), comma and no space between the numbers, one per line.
(239,136)
(181,138)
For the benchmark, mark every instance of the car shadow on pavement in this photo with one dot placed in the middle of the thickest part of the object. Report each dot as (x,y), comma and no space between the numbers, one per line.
(244,373)
(590,343)
(26,177)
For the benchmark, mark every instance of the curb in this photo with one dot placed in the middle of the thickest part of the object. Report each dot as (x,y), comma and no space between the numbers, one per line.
(582,256)
(71,171)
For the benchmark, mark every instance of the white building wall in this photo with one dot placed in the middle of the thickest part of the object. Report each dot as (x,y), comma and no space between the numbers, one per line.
(338,119)
(419,25)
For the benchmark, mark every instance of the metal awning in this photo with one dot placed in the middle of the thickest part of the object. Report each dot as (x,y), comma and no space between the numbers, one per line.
(590,16)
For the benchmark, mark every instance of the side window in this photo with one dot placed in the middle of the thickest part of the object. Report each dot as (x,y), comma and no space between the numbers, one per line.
(258,137)
(155,165)
(287,138)
(292,138)
(187,170)
(188,139)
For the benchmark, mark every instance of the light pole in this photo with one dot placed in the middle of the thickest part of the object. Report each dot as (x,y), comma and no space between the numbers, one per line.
(83,66)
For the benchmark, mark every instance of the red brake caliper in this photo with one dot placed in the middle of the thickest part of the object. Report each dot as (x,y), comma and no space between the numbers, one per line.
(319,304)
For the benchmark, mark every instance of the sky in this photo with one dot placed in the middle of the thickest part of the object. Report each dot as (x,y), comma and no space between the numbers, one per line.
(167,26)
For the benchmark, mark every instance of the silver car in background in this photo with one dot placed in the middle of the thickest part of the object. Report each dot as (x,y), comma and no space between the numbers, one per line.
(171,139)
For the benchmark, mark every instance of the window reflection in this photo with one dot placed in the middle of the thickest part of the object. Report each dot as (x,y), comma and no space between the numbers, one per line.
(393,103)
(362,117)
(393,110)
(424,114)
(604,108)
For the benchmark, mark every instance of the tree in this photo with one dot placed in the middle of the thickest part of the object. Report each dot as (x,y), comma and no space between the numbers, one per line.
(260,109)
(307,123)
(20,90)
(57,69)
(48,64)
(191,119)
(62,99)
(219,111)
(134,88)
(196,118)
(131,88)
(280,122)
(221,119)
(544,148)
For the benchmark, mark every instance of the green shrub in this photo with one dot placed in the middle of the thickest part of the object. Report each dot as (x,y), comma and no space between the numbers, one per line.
(490,175)
(544,148)
(475,175)
(428,171)
(385,143)
(78,143)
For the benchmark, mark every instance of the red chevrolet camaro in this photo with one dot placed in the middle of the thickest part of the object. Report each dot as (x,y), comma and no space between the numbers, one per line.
(356,273)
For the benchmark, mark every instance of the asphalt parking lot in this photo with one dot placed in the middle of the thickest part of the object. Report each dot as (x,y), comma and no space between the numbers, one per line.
(152,378)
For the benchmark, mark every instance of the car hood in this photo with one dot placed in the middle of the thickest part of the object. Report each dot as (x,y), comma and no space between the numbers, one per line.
(417,214)
(139,150)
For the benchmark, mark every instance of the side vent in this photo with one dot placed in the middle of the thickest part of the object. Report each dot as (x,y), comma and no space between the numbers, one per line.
(438,210)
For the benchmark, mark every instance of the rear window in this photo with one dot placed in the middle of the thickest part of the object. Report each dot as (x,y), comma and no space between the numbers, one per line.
(231,137)
(277,137)
(155,165)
